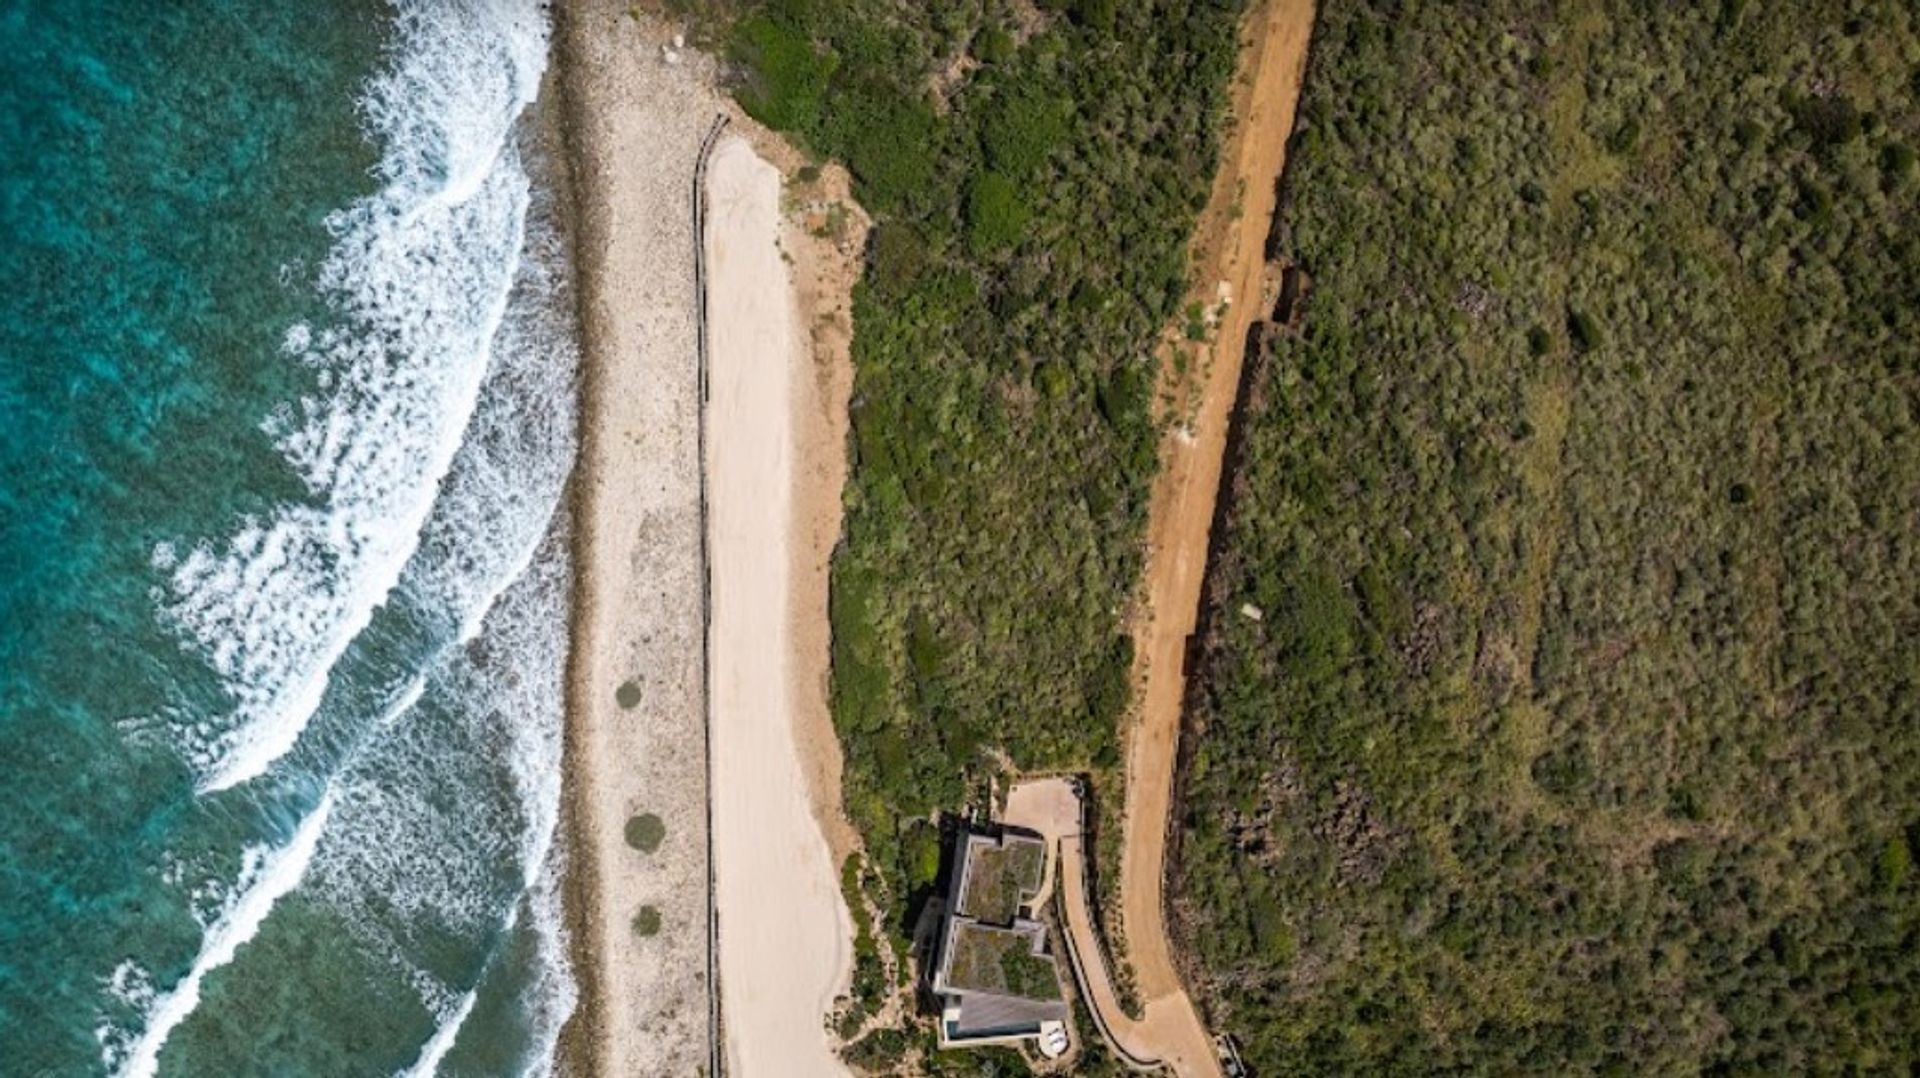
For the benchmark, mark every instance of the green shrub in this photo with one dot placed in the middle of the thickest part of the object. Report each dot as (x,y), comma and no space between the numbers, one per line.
(1196,328)
(786,77)
(1895,861)
(880,1051)
(628,695)
(922,855)
(897,259)
(1828,121)
(1896,160)
(1023,130)
(1053,379)
(1583,330)
(995,214)
(1026,974)
(994,46)
(645,832)
(1097,15)
(1539,342)
(646,922)
(1625,137)
(890,151)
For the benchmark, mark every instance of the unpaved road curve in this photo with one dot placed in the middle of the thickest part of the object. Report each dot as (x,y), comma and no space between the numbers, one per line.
(1165,1036)
(1230,249)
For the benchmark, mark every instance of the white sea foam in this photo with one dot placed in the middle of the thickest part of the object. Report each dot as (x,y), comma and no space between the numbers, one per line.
(420,854)
(441,1043)
(553,994)
(550,994)
(535,763)
(435,452)
(433,823)
(419,278)
(268,876)
(408,697)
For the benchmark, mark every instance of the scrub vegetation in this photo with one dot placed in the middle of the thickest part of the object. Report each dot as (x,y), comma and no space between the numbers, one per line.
(1034,173)
(1581,733)
(645,832)
(646,922)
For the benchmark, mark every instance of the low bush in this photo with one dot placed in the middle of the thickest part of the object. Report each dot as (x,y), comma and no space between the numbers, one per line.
(646,922)
(646,832)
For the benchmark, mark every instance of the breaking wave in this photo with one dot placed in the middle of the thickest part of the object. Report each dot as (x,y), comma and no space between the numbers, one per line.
(434,454)
(418,279)
(269,874)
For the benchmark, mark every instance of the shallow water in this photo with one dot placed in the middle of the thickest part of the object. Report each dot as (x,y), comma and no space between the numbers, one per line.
(286,406)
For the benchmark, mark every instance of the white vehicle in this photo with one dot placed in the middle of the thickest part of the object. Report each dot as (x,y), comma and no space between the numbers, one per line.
(1053,1039)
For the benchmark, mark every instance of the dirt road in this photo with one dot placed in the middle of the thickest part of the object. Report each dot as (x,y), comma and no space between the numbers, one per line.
(1167,1035)
(1229,263)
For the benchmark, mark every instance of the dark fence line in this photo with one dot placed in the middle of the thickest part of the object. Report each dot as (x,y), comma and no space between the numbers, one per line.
(716,1040)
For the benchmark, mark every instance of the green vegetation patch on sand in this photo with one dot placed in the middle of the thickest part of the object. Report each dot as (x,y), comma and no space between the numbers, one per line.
(628,695)
(646,922)
(1582,730)
(645,832)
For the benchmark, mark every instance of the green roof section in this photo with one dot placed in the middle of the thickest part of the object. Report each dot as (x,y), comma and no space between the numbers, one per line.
(1001,877)
(1001,961)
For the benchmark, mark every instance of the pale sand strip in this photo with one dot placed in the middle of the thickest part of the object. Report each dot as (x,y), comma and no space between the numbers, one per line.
(783,931)
(633,125)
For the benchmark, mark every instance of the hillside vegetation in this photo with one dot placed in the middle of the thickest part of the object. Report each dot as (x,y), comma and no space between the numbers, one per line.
(1034,172)
(1581,732)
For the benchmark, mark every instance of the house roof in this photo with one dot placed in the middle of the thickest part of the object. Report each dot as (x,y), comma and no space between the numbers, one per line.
(994,967)
(986,1015)
(999,876)
(1004,961)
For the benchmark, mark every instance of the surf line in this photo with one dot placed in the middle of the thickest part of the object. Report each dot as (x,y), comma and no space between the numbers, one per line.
(280,872)
(422,270)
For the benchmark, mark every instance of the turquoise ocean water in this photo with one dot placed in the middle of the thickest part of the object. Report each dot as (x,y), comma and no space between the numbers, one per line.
(287,387)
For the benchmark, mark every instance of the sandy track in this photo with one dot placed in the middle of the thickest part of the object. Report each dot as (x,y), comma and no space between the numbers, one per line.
(784,936)
(1230,251)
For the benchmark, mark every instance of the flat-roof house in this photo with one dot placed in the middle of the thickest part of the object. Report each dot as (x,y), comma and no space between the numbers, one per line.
(996,980)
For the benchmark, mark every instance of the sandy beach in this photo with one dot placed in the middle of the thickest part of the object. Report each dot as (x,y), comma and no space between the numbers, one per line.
(633,124)
(784,935)
(636,107)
